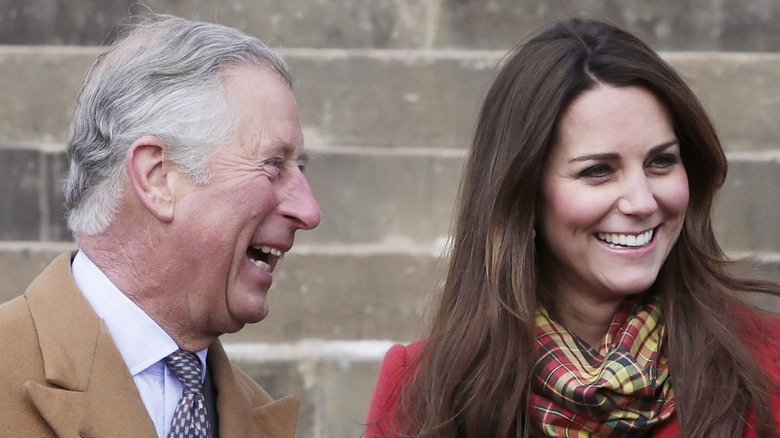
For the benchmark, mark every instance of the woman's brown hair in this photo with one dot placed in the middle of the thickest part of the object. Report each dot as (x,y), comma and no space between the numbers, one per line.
(473,375)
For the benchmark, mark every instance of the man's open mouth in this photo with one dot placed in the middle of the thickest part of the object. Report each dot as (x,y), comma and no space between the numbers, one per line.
(264,256)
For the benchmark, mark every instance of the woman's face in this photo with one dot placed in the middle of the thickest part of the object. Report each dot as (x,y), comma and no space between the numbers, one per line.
(614,196)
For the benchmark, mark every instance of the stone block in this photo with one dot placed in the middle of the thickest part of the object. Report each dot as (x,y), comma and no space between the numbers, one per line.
(32,204)
(432,99)
(400,198)
(21,262)
(740,92)
(39,90)
(747,212)
(342,396)
(20,178)
(343,24)
(333,380)
(390,98)
(78,22)
(318,294)
(731,25)
(354,294)
(54,226)
(383,197)
(281,378)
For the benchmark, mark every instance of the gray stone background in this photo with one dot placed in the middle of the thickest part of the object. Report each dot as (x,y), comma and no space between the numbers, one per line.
(388,93)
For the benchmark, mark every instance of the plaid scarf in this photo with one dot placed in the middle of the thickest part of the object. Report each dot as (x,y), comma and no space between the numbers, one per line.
(621,389)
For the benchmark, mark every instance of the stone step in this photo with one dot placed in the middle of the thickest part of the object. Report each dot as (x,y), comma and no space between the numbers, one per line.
(348,293)
(384,98)
(398,196)
(333,380)
(680,25)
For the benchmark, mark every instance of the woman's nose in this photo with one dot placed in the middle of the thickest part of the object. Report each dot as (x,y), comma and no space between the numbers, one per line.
(638,197)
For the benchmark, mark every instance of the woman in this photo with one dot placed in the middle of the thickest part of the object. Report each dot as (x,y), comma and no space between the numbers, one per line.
(586,294)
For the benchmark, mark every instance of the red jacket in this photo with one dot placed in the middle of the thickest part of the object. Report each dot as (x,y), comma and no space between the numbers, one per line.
(395,373)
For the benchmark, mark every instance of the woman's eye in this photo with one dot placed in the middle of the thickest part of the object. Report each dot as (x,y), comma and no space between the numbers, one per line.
(596,171)
(664,160)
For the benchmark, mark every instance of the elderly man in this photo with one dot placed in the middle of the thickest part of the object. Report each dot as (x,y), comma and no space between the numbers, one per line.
(185,190)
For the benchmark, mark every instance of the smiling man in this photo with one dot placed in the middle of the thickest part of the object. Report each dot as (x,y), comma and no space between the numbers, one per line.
(185,190)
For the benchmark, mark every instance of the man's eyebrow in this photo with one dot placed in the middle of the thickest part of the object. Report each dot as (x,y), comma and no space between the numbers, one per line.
(288,149)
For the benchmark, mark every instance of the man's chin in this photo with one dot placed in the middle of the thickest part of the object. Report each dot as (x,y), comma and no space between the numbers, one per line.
(250,317)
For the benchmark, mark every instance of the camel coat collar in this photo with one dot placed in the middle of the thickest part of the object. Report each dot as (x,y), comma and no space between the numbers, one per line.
(89,392)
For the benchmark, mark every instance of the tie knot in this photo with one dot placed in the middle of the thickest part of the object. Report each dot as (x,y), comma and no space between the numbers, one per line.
(186,366)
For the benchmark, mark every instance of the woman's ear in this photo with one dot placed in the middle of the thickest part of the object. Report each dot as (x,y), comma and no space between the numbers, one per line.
(148,171)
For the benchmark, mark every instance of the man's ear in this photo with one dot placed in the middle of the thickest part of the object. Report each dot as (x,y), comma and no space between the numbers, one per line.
(149,173)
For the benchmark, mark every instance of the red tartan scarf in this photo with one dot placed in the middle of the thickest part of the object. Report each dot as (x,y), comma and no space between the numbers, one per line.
(621,389)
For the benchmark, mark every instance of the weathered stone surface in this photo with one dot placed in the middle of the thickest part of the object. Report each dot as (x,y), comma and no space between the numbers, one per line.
(400,198)
(281,378)
(393,98)
(741,92)
(381,196)
(40,85)
(664,25)
(470,24)
(333,380)
(20,177)
(32,203)
(53,226)
(20,263)
(748,209)
(358,294)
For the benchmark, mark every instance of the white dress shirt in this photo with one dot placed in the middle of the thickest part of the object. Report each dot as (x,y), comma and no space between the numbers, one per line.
(142,343)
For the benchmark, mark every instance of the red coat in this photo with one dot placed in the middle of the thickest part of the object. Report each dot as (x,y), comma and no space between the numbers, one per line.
(394,374)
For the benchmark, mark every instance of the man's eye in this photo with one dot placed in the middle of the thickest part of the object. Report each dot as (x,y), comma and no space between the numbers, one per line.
(273,167)
(274,162)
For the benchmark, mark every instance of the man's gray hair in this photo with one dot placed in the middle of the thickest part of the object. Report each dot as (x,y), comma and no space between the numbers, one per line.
(163,78)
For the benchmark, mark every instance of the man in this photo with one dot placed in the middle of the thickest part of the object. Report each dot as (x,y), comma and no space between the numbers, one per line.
(185,190)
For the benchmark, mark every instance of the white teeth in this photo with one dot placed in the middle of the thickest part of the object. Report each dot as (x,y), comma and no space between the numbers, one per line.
(269,250)
(265,249)
(632,240)
(263,265)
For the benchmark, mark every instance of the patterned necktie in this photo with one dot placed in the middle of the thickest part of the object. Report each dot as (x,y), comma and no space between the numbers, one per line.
(189,418)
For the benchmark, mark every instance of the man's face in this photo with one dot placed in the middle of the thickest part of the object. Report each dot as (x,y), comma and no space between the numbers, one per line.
(232,231)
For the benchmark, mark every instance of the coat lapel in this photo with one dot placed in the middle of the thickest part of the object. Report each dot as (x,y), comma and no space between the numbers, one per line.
(245,410)
(88,390)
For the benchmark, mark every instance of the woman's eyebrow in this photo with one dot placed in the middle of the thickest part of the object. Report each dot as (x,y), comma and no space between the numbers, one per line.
(663,146)
(596,157)
(606,156)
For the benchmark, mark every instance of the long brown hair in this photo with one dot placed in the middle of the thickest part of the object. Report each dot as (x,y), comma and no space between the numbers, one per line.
(472,377)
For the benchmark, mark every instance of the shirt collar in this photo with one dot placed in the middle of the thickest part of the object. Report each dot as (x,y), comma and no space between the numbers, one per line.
(140,340)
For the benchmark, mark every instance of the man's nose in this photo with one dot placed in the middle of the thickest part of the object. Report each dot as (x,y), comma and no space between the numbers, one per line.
(299,204)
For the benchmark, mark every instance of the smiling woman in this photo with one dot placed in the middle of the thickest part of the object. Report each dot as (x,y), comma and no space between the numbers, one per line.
(613,178)
(586,294)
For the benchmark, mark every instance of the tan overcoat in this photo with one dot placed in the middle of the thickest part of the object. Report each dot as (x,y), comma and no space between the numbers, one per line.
(62,375)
